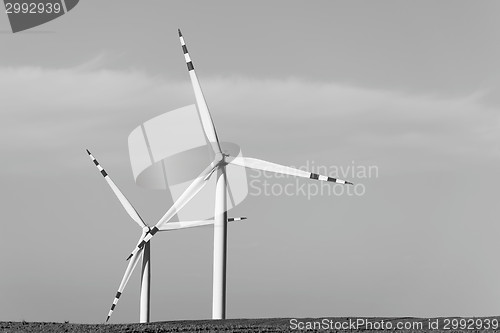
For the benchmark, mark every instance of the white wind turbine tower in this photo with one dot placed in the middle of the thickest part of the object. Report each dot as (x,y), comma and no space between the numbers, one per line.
(144,309)
(218,167)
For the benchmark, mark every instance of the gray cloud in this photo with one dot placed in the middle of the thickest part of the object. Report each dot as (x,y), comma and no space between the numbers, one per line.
(39,111)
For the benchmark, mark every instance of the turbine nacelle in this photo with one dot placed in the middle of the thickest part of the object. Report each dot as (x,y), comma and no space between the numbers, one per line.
(219,158)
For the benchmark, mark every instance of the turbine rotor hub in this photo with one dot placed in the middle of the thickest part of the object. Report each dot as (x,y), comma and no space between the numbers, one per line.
(219,157)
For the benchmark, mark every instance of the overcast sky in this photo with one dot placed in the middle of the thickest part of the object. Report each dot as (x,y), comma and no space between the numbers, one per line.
(410,88)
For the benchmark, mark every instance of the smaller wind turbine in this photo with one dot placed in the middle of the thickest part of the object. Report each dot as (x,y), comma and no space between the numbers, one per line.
(146,255)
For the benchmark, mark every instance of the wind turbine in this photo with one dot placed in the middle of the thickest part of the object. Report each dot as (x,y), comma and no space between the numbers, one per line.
(144,311)
(218,167)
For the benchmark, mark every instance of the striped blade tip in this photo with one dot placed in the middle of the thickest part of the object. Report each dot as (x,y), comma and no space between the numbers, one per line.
(349,183)
(88,152)
(107,319)
(130,256)
(180,33)
(243,217)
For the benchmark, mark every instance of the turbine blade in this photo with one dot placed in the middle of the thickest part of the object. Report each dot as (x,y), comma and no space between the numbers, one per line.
(185,197)
(206,118)
(254,163)
(128,273)
(233,219)
(121,197)
(185,224)
(192,224)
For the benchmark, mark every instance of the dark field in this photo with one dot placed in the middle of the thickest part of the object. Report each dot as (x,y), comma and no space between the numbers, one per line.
(270,325)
